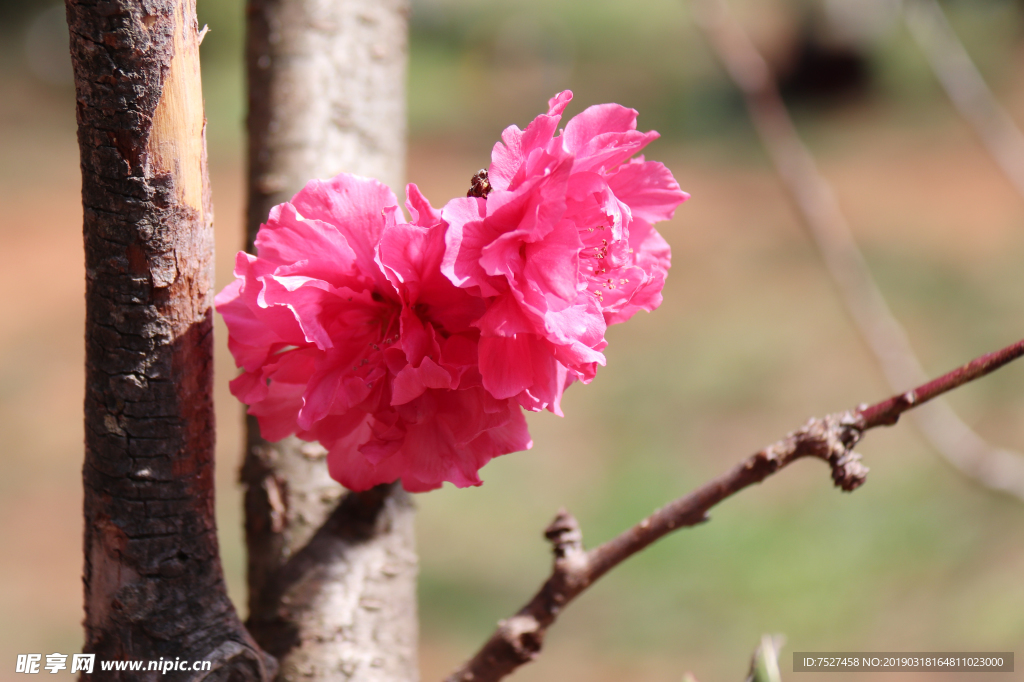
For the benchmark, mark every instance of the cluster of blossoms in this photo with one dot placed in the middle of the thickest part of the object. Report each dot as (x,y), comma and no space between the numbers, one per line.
(408,349)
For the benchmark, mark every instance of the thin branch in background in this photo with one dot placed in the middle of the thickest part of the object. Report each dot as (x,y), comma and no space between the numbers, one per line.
(518,639)
(995,468)
(966,87)
(764,664)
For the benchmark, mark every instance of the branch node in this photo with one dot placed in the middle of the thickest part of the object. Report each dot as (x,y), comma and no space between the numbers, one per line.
(565,535)
(524,634)
(848,472)
(835,437)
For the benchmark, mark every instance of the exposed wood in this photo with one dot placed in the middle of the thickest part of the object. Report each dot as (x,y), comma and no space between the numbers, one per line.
(153,581)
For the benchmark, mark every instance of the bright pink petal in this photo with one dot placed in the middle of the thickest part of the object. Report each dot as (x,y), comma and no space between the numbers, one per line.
(600,216)
(653,256)
(352,204)
(509,154)
(347,465)
(506,317)
(254,328)
(249,387)
(277,407)
(304,298)
(467,235)
(411,257)
(507,362)
(603,136)
(333,387)
(411,382)
(551,378)
(323,250)
(552,266)
(419,208)
(649,190)
(577,332)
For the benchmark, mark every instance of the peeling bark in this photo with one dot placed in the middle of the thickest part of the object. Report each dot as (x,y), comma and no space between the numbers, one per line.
(153,580)
(332,580)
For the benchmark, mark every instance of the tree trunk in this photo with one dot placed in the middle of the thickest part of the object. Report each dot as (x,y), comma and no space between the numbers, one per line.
(332,587)
(153,581)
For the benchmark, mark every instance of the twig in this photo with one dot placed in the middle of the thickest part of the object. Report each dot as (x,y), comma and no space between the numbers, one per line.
(995,468)
(888,411)
(764,664)
(518,639)
(966,88)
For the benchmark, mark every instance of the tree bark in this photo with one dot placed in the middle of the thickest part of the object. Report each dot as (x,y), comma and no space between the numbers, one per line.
(332,587)
(153,581)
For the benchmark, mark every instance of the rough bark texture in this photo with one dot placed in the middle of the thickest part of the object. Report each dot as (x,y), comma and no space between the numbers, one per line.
(153,581)
(326,95)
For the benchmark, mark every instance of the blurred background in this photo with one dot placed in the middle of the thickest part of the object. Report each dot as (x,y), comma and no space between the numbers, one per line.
(750,342)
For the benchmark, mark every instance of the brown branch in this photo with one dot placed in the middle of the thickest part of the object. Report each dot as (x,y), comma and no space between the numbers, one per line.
(518,640)
(888,411)
(966,88)
(995,468)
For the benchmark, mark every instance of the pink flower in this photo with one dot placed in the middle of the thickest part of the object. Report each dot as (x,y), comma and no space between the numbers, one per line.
(561,247)
(349,334)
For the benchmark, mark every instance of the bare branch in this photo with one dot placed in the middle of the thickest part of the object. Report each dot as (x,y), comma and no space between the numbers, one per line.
(764,664)
(888,411)
(994,468)
(518,639)
(966,88)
